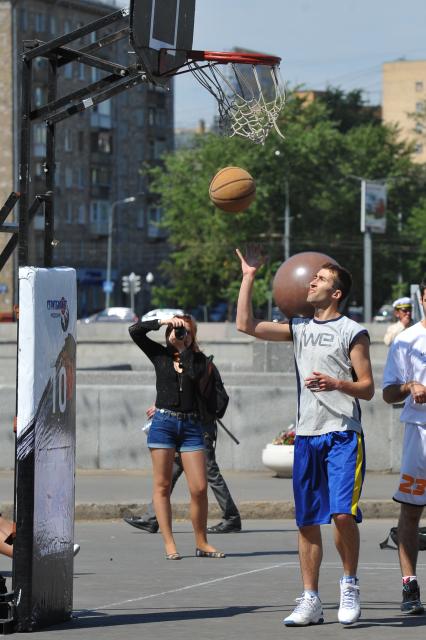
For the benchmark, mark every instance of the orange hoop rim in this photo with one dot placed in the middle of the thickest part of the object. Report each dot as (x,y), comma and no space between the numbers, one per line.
(234,57)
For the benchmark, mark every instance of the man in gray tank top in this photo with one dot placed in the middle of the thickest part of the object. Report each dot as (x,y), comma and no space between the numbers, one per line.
(333,372)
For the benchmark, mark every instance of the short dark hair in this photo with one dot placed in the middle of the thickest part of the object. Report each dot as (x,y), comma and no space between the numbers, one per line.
(422,286)
(342,277)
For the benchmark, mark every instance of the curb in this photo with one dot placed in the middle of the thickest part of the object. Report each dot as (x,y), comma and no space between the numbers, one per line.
(260,510)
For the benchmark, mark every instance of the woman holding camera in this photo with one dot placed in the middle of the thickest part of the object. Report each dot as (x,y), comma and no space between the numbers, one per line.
(176,425)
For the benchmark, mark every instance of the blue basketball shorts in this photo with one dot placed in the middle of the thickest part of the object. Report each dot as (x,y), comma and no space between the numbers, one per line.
(328,474)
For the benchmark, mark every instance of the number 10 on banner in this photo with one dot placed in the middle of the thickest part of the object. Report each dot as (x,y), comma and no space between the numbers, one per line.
(59,390)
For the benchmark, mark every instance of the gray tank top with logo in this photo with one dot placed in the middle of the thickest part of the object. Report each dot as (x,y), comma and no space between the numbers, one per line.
(325,347)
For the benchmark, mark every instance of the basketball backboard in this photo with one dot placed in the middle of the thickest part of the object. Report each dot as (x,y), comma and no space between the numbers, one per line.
(165,26)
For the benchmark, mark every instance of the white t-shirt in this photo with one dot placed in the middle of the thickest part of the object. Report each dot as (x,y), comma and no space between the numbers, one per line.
(406,362)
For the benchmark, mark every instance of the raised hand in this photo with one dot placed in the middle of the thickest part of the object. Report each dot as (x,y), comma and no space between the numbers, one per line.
(173,321)
(251,262)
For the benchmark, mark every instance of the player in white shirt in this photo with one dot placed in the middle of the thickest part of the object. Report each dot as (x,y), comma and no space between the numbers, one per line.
(405,379)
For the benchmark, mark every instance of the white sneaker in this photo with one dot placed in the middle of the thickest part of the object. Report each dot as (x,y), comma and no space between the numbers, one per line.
(350,608)
(307,611)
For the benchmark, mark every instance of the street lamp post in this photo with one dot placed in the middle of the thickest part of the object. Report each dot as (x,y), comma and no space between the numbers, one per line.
(287,218)
(109,250)
(287,221)
(149,279)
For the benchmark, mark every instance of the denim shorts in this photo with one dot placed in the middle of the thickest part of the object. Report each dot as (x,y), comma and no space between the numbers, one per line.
(170,432)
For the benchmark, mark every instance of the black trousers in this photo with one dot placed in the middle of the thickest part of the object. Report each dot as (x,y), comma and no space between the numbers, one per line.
(214,478)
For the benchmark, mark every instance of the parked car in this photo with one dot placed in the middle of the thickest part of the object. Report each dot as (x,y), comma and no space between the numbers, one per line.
(113,314)
(278,315)
(384,314)
(355,313)
(219,312)
(162,314)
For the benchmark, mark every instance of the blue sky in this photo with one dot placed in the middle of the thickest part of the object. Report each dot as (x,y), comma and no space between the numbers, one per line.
(338,42)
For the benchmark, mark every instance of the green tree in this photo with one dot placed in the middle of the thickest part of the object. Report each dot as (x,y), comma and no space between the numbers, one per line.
(349,109)
(318,161)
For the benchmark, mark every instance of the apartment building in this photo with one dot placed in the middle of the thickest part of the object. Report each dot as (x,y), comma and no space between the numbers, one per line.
(404,96)
(101,156)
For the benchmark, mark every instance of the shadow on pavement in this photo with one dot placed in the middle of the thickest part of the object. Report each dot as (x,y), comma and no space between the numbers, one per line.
(91,619)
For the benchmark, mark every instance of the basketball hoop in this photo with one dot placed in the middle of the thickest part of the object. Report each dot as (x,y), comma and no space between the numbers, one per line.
(249,91)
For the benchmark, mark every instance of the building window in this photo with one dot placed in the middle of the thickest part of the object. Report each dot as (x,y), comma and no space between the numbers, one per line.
(24,20)
(151,116)
(68,177)
(419,127)
(140,118)
(38,169)
(39,140)
(67,26)
(101,142)
(154,220)
(80,178)
(53,26)
(96,74)
(151,150)
(99,217)
(39,96)
(99,211)
(160,149)
(68,71)
(68,213)
(81,72)
(68,140)
(420,106)
(160,117)
(419,148)
(100,115)
(40,22)
(419,86)
(81,140)
(100,177)
(82,214)
(140,221)
(40,64)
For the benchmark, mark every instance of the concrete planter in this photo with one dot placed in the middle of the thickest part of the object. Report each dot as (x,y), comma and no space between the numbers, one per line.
(279,458)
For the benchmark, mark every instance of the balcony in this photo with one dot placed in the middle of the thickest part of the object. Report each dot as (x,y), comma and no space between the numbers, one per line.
(154,232)
(99,228)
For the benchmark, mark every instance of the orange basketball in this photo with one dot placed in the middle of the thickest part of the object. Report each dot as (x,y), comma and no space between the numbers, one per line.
(232,189)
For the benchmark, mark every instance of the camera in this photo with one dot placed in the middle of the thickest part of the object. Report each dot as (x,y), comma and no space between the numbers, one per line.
(180,333)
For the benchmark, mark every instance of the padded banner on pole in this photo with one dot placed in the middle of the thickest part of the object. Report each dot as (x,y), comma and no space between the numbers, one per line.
(45,459)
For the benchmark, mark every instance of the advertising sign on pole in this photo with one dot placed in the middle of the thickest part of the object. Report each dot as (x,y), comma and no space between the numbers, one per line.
(373,207)
(45,454)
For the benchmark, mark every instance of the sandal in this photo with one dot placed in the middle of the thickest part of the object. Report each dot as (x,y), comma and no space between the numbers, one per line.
(173,556)
(199,553)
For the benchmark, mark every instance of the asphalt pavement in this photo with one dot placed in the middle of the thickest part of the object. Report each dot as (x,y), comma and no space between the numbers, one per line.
(124,587)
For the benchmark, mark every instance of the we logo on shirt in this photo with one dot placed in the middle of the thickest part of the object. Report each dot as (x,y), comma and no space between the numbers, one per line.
(319,340)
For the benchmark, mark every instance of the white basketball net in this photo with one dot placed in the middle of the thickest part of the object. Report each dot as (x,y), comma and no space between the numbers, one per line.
(250,97)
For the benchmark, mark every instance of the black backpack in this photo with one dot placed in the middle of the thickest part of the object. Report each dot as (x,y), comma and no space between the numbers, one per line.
(393,537)
(213,396)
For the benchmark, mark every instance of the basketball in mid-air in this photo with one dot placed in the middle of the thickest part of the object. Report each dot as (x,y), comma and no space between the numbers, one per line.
(291,283)
(232,189)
